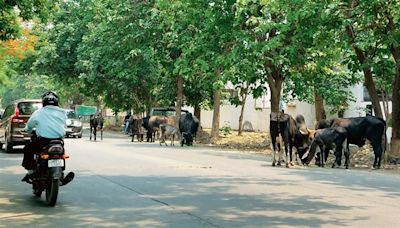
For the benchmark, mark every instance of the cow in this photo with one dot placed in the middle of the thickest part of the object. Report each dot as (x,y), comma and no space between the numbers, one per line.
(96,121)
(325,140)
(188,126)
(358,130)
(168,132)
(152,125)
(294,133)
(136,127)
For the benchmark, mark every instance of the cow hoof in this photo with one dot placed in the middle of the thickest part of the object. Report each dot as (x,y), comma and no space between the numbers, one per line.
(273,163)
(287,165)
(279,164)
(291,164)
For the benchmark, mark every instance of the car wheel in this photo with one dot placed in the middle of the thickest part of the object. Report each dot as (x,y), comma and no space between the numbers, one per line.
(8,146)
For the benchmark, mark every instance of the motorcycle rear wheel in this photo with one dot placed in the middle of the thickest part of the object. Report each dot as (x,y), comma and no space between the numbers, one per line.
(52,192)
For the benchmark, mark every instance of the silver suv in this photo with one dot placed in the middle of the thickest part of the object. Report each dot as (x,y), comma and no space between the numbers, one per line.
(74,125)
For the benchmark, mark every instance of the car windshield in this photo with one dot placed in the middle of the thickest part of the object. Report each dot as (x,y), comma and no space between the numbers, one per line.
(71,114)
(165,112)
(27,108)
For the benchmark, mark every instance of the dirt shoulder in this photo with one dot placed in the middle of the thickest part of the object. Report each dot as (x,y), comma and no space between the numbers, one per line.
(360,158)
(259,142)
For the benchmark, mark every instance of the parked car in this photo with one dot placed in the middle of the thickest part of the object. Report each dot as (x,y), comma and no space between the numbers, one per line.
(74,125)
(14,120)
(164,111)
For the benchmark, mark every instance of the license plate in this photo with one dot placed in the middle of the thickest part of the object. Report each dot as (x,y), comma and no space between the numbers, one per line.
(56,163)
(69,129)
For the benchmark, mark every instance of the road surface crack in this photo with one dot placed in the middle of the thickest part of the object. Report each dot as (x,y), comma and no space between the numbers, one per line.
(200,219)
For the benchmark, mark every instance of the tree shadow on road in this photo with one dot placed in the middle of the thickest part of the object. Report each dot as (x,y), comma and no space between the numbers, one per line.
(158,201)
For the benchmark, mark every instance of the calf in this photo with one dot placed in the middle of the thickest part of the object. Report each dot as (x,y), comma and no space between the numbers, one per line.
(325,140)
(361,128)
(168,132)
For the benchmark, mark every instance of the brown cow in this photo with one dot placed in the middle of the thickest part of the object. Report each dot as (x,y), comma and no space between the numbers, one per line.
(294,134)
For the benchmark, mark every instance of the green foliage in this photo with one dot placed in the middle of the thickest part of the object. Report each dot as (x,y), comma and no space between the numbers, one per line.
(129,54)
(226,128)
(26,10)
(21,84)
(102,48)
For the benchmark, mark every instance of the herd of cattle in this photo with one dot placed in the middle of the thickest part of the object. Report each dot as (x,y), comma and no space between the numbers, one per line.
(186,132)
(285,131)
(335,134)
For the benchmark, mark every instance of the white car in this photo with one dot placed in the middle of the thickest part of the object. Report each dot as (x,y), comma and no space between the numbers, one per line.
(74,125)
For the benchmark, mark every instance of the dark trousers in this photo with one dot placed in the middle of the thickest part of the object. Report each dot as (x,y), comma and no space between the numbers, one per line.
(35,146)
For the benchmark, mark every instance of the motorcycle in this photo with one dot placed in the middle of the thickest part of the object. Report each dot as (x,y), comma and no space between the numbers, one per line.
(49,173)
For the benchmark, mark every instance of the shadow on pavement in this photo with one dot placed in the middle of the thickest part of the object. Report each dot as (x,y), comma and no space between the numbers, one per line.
(163,201)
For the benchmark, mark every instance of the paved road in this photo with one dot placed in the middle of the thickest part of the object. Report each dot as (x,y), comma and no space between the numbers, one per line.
(126,184)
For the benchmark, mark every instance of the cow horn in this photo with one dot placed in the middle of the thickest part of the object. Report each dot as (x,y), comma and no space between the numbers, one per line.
(305,155)
(303,130)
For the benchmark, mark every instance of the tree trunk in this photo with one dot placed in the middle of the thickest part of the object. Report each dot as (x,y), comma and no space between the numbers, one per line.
(396,116)
(116,118)
(395,50)
(385,109)
(373,94)
(98,104)
(244,98)
(396,105)
(216,113)
(179,98)
(320,113)
(369,82)
(197,112)
(275,81)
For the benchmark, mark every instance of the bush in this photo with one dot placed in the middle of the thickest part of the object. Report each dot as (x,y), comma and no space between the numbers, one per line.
(226,129)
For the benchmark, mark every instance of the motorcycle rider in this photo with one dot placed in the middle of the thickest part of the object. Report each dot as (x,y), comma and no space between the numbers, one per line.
(49,122)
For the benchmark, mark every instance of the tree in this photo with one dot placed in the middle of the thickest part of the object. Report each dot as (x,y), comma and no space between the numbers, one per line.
(244,75)
(372,29)
(10,11)
(102,48)
(282,35)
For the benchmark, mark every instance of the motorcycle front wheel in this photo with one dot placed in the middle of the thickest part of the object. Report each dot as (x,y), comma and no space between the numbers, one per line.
(36,191)
(52,192)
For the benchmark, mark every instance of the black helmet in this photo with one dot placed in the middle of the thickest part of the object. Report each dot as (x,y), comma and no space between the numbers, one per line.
(50,98)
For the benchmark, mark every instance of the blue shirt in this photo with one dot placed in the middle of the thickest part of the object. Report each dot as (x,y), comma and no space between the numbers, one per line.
(49,122)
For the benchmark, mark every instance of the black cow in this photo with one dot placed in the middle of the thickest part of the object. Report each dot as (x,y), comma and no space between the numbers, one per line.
(325,140)
(188,126)
(358,130)
(294,134)
(96,121)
